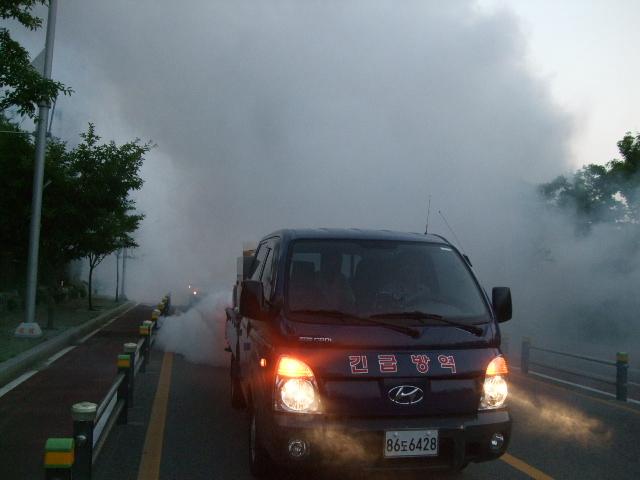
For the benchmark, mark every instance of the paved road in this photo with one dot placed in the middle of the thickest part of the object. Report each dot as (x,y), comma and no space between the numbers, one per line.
(40,407)
(558,432)
(182,427)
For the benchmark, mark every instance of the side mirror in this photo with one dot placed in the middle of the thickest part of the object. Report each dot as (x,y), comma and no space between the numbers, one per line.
(251,299)
(243,265)
(235,296)
(501,299)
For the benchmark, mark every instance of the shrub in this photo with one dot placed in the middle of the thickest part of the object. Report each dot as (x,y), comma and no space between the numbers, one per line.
(13,303)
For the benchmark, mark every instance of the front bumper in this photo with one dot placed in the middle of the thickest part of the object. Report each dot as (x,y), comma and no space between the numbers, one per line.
(358,442)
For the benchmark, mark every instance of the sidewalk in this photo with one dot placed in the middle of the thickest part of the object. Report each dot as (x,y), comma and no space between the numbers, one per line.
(40,351)
(67,315)
(40,407)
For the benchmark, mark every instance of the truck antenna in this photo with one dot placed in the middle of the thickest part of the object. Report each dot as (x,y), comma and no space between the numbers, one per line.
(426,228)
(451,230)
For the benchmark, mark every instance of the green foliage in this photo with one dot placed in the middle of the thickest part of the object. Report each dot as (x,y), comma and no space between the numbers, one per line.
(77,290)
(21,85)
(104,174)
(17,153)
(601,193)
(625,173)
(59,216)
(87,211)
(9,301)
(21,11)
(16,164)
(12,303)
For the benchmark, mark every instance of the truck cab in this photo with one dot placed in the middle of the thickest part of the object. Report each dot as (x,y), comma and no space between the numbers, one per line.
(367,349)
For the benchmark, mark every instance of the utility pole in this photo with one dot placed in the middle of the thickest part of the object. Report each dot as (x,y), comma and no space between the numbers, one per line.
(30,328)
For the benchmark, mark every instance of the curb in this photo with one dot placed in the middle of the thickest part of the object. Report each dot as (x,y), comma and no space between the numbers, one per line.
(14,367)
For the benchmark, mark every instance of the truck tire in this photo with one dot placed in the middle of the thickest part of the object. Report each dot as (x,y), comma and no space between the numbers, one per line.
(259,462)
(236,397)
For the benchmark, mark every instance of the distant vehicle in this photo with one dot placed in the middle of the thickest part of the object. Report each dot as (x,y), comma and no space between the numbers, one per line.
(370,349)
(195,294)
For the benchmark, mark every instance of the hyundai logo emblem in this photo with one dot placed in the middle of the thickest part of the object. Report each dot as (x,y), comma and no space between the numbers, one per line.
(406,394)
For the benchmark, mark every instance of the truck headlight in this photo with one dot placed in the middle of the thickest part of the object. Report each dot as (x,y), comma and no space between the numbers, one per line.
(495,390)
(296,389)
(298,394)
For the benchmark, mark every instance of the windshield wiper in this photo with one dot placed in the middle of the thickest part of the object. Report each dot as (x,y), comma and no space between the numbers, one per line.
(418,315)
(412,332)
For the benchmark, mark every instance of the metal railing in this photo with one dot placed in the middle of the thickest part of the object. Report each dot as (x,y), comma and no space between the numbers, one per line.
(73,458)
(620,382)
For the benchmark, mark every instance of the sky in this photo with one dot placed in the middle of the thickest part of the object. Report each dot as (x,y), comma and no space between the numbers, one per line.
(583,50)
(586,52)
(352,114)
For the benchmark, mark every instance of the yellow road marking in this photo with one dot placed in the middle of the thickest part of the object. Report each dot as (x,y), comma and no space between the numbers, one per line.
(524,467)
(152,452)
(611,403)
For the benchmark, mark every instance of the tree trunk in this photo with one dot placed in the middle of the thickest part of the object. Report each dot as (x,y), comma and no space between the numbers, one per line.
(51,307)
(117,275)
(91,266)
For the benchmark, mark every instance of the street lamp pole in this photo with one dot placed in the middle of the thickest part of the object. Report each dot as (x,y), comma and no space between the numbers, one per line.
(30,328)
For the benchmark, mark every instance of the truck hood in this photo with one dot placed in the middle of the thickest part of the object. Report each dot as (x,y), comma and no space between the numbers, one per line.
(335,334)
(372,371)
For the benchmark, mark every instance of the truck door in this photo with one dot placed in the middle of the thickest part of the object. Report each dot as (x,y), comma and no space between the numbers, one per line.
(264,271)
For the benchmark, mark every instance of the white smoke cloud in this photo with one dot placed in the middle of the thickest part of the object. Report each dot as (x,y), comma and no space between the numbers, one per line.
(198,333)
(309,113)
(316,113)
(549,417)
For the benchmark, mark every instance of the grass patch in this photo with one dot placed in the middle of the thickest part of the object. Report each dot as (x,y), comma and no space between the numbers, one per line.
(68,315)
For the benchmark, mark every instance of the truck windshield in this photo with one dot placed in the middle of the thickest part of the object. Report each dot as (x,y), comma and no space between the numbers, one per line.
(381,278)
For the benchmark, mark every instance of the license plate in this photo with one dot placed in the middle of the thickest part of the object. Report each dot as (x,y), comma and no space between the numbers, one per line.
(410,443)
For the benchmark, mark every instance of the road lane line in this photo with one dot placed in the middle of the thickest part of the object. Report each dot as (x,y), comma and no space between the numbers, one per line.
(14,383)
(87,337)
(152,452)
(58,355)
(611,403)
(524,467)
(27,375)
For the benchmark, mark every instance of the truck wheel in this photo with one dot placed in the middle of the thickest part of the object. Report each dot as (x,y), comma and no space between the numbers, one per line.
(259,461)
(237,399)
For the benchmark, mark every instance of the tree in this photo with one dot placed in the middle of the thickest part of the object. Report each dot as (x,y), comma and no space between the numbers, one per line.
(87,212)
(58,214)
(600,193)
(104,175)
(113,233)
(21,85)
(16,164)
(625,173)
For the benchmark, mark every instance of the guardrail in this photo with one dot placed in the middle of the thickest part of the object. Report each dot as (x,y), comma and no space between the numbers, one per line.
(73,458)
(621,382)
